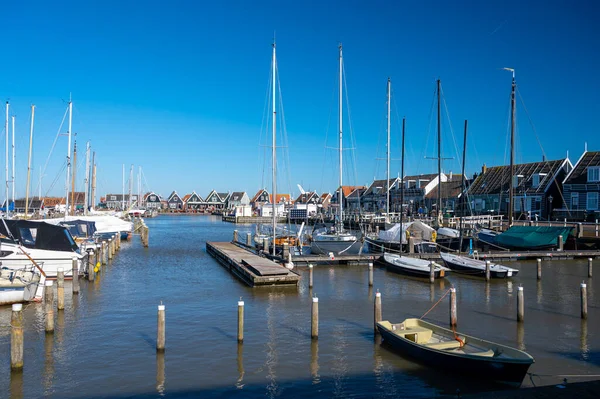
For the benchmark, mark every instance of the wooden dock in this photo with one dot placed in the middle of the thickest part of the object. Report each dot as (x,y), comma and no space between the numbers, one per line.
(305,260)
(249,267)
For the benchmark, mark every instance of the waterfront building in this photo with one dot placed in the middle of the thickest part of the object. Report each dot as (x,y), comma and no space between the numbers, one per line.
(375,197)
(151,201)
(581,189)
(216,201)
(238,198)
(175,202)
(119,202)
(261,197)
(193,203)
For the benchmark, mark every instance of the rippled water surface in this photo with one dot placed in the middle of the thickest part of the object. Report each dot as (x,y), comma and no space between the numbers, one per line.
(104,343)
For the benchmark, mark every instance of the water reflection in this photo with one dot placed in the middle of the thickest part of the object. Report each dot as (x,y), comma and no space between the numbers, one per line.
(16,384)
(340,362)
(487,292)
(314,361)
(240,365)
(160,373)
(509,287)
(48,375)
(521,336)
(539,291)
(271,362)
(431,292)
(583,341)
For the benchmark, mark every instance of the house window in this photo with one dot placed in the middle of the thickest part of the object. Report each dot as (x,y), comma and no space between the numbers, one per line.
(113,197)
(593,173)
(592,201)
(574,200)
(134,198)
(153,198)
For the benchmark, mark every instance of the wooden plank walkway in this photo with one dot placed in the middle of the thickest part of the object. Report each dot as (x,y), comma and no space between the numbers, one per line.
(249,267)
(364,259)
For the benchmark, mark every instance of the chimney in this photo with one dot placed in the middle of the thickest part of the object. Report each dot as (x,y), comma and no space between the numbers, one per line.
(483,169)
(543,158)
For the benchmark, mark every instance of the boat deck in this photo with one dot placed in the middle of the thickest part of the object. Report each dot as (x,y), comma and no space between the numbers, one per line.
(249,267)
(364,259)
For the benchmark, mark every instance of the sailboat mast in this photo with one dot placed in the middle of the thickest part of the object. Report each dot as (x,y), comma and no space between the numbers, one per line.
(29,160)
(512,150)
(439,155)
(6,131)
(94,179)
(123,191)
(73,178)
(13,160)
(463,189)
(86,199)
(402,184)
(274,142)
(387,203)
(340,193)
(69,156)
(130,186)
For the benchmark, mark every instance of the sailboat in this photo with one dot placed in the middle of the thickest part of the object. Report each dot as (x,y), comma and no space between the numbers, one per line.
(335,240)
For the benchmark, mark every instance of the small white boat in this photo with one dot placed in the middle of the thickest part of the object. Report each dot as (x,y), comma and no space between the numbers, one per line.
(20,285)
(476,267)
(413,266)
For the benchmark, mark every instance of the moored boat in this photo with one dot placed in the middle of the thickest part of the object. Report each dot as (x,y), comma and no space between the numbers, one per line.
(413,266)
(20,285)
(455,352)
(476,267)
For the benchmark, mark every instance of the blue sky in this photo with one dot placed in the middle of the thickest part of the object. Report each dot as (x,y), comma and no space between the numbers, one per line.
(179,87)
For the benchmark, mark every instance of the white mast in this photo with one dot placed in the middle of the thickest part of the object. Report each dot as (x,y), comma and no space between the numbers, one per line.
(340,193)
(13,160)
(69,157)
(130,185)
(123,191)
(6,131)
(387,204)
(87,179)
(29,160)
(139,186)
(273,150)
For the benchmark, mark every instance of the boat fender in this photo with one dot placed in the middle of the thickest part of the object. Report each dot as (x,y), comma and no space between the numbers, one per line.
(433,236)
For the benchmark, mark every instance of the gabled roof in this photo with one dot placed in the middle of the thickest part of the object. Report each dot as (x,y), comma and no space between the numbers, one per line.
(496,179)
(192,195)
(258,194)
(306,197)
(579,173)
(280,197)
(147,196)
(450,189)
(381,185)
(357,192)
(347,190)
(186,197)
(173,194)
(223,196)
(428,177)
(324,197)
(237,195)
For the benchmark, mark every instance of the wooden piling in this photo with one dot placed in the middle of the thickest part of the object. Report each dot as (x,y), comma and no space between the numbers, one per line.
(16,337)
(235,236)
(286,251)
(310,276)
(411,245)
(160,336)
(266,244)
(539,269)
(590,260)
(109,246)
(75,273)
(488,273)
(104,252)
(520,305)
(453,311)
(377,311)
(249,239)
(314,319)
(560,243)
(92,266)
(49,307)
(370,274)
(240,332)
(431,272)
(584,312)
(146,236)
(60,289)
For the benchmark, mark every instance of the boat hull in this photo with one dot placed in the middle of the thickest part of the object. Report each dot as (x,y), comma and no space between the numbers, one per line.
(503,371)
(495,270)
(408,270)
(336,247)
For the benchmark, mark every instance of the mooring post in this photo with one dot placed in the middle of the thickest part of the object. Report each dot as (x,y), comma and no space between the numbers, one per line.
(488,273)
(240,335)
(453,312)
(49,305)
(520,305)
(147,235)
(431,272)
(109,249)
(91,265)
(314,320)
(104,252)
(584,312)
(411,245)
(235,236)
(370,274)
(286,251)
(310,275)
(560,243)
(16,337)
(590,260)
(539,269)
(377,311)
(249,239)
(160,337)
(266,244)
(596,227)
(75,273)
(60,289)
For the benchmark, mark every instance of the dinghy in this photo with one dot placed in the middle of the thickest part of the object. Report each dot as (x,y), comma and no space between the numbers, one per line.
(476,267)
(413,266)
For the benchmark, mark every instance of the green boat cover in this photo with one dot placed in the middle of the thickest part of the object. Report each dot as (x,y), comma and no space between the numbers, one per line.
(532,237)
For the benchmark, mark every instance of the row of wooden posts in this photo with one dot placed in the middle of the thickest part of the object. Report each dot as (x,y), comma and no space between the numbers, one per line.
(140,225)
(99,255)
(377,316)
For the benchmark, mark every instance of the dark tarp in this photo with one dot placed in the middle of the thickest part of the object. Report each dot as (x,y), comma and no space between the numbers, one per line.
(80,228)
(532,237)
(40,235)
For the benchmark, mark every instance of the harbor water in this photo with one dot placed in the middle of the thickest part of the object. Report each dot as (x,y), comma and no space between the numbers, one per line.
(105,339)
